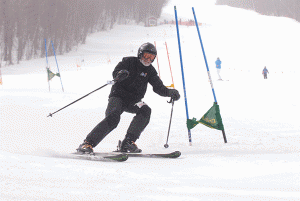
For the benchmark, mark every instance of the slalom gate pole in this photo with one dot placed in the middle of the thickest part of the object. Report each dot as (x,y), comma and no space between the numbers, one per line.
(209,76)
(50,115)
(157,60)
(1,82)
(182,72)
(169,64)
(47,63)
(57,66)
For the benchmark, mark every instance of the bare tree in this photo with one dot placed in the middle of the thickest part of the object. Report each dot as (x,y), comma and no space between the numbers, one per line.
(9,29)
(25,24)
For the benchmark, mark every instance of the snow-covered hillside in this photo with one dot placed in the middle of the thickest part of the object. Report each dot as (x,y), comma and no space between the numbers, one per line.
(259,162)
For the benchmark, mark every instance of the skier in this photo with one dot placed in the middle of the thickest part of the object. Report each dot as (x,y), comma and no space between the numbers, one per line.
(218,66)
(132,76)
(265,72)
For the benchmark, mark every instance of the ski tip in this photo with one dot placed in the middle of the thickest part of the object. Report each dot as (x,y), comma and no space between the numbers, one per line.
(175,154)
(118,158)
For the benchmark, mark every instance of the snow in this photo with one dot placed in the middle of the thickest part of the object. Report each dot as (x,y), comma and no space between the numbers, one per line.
(259,162)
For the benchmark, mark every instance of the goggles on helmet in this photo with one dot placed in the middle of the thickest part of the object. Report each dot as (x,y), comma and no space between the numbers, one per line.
(148,55)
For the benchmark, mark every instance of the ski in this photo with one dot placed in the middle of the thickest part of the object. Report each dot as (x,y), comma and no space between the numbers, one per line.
(175,154)
(105,157)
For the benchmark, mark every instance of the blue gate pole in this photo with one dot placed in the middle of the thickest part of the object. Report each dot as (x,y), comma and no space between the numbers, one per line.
(182,73)
(209,76)
(47,63)
(57,66)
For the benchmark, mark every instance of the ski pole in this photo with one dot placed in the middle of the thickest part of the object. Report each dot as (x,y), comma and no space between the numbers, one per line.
(109,82)
(171,101)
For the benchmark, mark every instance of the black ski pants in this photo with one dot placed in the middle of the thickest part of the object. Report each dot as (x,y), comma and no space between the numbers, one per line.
(116,106)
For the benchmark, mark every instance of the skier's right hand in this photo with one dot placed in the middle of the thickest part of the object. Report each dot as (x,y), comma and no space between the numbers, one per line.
(121,75)
(174,94)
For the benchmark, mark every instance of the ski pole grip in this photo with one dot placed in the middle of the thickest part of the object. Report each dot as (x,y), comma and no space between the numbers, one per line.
(171,100)
(112,82)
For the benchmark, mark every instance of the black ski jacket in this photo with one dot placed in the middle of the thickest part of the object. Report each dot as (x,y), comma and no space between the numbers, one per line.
(134,87)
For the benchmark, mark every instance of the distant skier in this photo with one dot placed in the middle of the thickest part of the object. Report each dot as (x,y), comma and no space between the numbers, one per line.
(218,66)
(132,76)
(265,72)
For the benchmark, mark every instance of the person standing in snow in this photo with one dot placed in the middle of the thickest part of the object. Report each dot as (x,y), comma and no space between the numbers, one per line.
(265,72)
(218,66)
(131,77)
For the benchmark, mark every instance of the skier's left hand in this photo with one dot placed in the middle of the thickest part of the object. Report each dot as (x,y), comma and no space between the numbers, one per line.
(121,75)
(174,94)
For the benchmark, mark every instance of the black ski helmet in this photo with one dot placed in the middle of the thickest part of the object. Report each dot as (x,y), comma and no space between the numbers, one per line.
(146,47)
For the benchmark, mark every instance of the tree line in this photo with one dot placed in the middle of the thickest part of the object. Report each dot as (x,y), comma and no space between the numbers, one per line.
(25,24)
(280,8)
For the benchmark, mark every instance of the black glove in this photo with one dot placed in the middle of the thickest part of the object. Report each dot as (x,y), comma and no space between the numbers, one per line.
(174,94)
(121,75)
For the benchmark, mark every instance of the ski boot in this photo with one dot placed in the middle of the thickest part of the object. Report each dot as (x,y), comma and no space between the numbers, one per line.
(128,146)
(85,147)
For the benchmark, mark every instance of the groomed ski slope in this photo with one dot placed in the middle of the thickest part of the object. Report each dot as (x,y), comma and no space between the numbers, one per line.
(259,162)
